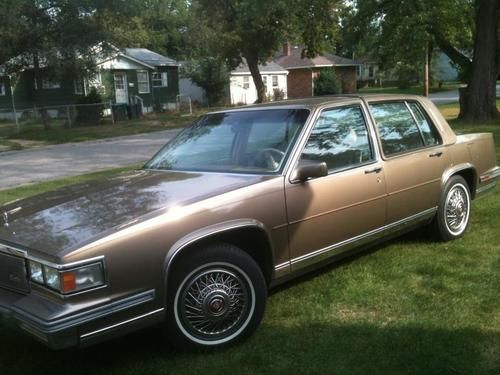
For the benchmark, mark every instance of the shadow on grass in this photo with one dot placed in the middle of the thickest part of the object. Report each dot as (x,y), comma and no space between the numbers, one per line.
(312,348)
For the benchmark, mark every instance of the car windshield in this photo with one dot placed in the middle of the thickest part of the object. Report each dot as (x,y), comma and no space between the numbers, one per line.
(253,141)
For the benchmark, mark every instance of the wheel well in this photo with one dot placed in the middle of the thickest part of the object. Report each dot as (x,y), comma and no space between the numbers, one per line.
(251,240)
(469,175)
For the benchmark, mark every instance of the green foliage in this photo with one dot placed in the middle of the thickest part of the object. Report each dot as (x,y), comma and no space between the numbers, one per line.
(326,83)
(398,32)
(211,74)
(90,114)
(254,30)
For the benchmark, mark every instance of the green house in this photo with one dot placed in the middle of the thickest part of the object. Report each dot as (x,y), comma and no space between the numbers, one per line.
(124,76)
(138,74)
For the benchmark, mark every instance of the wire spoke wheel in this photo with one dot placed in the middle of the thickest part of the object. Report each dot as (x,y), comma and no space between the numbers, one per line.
(214,303)
(457,209)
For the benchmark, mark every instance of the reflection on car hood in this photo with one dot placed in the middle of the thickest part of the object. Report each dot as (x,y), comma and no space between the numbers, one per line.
(77,214)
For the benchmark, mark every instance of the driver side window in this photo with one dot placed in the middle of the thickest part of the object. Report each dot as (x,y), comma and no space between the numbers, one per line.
(339,138)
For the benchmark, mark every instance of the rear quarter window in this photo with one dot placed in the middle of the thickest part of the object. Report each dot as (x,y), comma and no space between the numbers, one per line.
(403,126)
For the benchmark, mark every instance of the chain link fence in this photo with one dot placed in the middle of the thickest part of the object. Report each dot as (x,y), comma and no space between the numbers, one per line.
(66,116)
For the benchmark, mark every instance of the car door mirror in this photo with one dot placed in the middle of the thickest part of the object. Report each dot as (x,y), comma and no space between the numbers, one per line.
(307,169)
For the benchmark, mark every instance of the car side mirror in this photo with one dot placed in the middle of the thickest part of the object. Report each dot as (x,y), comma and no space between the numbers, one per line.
(307,169)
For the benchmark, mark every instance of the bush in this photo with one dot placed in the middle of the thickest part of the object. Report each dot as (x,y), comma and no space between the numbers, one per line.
(278,94)
(90,114)
(326,83)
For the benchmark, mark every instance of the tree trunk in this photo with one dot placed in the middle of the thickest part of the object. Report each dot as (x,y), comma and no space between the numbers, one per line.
(479,98)
(40,100)
(253,65)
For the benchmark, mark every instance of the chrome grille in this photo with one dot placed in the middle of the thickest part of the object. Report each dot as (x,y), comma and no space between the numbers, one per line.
(13,273)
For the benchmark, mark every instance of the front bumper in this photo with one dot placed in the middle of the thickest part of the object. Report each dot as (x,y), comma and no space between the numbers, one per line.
(488,181)
(60,324)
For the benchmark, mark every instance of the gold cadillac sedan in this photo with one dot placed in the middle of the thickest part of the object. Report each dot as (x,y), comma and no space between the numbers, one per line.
(237,203)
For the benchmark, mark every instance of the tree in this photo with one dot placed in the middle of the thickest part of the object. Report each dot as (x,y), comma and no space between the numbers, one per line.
(253,30)
(53,38)
(402,31)
(210,73)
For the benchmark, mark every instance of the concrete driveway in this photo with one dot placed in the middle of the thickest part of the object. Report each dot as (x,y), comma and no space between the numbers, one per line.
(71,159)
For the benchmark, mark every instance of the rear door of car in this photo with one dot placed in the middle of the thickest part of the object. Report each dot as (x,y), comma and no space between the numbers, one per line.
(329,213)
(415,158)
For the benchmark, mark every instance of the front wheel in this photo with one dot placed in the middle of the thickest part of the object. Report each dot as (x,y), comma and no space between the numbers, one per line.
(452,218)
(217,297)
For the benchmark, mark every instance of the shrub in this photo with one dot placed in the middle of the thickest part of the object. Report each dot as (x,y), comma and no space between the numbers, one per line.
(90,114)
(326,83)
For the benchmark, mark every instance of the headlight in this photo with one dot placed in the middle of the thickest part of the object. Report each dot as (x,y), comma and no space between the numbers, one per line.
(36,272)
(70,280)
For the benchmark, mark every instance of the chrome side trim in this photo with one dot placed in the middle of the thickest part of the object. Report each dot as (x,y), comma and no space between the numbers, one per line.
(282,269)
(67,265)
(85,316)
(206,232)
(121,323)
(480,191)
(340,247)
(492,174)
(11,250)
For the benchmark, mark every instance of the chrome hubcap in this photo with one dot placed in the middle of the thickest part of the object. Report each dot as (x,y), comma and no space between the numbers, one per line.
(214,303)
(457,209)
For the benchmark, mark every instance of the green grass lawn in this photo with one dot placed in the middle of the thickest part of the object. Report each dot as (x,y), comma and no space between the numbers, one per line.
(409,306)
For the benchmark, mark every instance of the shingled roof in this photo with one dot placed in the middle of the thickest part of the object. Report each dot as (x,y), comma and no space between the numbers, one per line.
(149,57)
(269,67)
(294,60)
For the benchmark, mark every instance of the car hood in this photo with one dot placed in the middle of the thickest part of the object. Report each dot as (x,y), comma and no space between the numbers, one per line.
(70,217)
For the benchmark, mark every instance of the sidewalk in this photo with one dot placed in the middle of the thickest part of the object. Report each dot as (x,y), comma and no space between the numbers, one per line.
(71,159)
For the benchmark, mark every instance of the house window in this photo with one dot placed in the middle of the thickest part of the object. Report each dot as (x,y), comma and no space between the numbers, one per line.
(2,89)
(48,84)
(119,81)
(275,81)
(160,79)
(370,71)
(246,82)
(264,80)
(143,81)
(78,85)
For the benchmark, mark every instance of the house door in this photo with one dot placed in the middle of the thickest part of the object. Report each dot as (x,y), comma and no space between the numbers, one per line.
(121,92)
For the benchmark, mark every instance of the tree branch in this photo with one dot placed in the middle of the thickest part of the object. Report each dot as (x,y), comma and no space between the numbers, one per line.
(454,54)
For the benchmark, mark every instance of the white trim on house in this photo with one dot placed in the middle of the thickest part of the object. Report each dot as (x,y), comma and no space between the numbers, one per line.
(2,89)
(162,80)
(109,61)
(78,87)
(145,89)
(48,84)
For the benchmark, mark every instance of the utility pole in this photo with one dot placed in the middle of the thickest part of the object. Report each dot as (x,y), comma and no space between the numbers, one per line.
(426,72)
(12,90)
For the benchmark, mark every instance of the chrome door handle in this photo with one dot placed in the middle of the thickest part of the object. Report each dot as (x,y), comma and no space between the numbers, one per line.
(373,170)
(436,154)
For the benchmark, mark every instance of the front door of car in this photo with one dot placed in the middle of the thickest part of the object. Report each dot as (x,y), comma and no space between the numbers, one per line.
(415,158)
(327,214)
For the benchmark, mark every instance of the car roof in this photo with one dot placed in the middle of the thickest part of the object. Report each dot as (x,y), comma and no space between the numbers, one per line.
(320,101)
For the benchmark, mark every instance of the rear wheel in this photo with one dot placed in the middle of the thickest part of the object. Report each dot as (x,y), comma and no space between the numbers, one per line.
(452,218)
(217,297)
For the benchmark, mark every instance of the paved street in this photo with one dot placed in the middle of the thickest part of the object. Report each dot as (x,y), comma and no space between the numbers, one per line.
(449,96)
(51,162)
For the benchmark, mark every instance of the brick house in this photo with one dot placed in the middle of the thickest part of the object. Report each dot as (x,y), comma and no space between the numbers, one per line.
(303,71)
